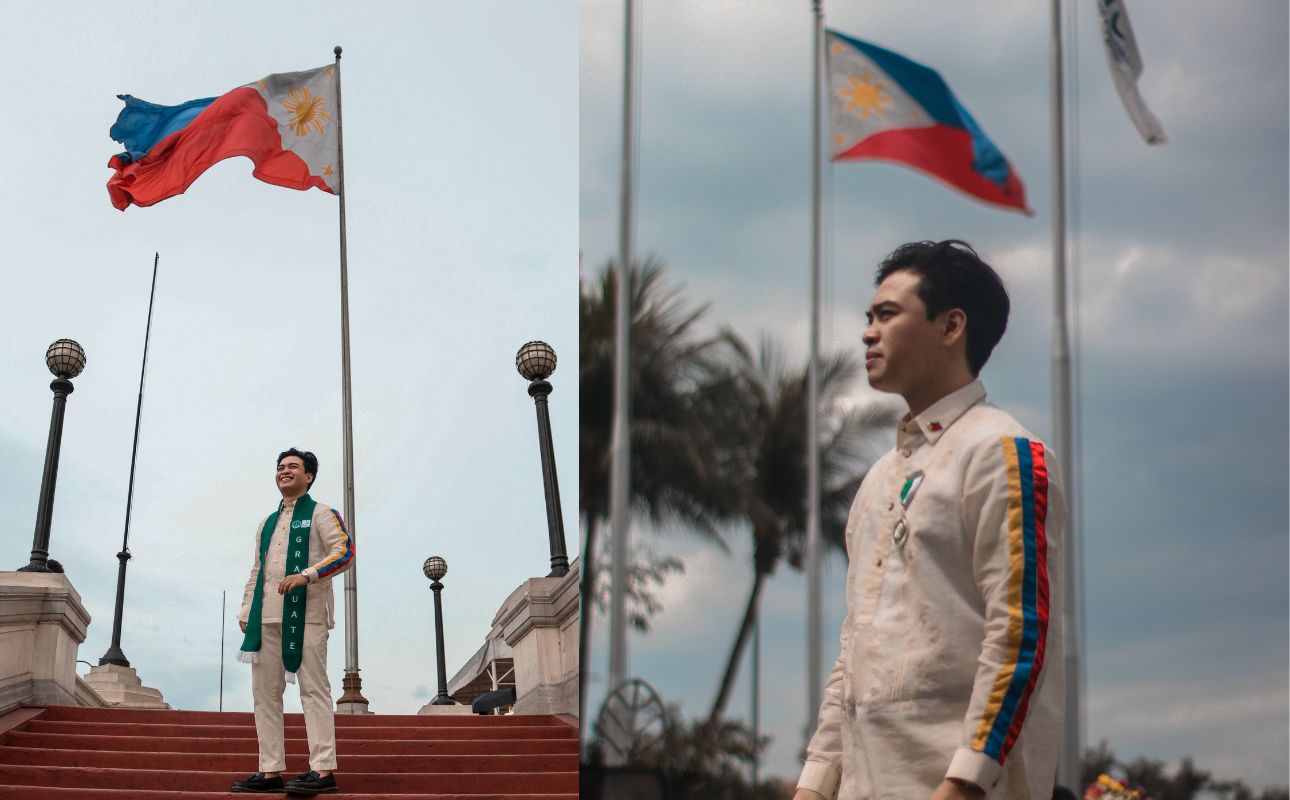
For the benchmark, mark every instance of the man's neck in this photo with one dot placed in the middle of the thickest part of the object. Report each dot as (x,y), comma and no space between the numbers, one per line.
(925,397)
(291,498)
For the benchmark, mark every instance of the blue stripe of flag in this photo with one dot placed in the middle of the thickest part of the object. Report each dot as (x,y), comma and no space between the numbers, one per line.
(141,124)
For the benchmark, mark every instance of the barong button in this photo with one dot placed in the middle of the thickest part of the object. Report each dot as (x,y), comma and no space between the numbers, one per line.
(890,506)
(906,452)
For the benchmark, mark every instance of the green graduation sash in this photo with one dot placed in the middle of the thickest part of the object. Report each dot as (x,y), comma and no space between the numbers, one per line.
(293,604)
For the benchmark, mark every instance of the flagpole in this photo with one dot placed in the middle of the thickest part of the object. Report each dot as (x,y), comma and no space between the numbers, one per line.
(223,615)
(1068,761)
(352,701)
(620,466)
(813,593)
(114,654)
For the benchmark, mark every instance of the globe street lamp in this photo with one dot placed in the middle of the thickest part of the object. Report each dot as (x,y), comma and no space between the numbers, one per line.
(434,569)
(65,359)
(536,361)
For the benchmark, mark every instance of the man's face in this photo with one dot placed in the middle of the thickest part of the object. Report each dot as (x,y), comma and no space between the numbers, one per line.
(902,345)
(292,478)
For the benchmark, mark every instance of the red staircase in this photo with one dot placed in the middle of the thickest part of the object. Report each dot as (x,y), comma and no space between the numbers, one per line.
(70,753)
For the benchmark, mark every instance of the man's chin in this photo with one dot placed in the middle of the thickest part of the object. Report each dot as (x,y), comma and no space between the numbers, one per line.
(877,381)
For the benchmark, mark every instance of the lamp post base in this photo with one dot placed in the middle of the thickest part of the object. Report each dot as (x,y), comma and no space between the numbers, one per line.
(35,566)
(352,701)
(114,656)
(442,700)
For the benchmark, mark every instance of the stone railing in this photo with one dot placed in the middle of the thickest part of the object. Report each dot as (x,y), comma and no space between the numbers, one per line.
(538,623)
(42,623)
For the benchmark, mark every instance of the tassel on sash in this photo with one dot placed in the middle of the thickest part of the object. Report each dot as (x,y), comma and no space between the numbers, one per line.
(248,658)
(291,677)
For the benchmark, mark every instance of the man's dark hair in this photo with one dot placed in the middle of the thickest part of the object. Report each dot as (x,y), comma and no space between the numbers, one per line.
(951,275)
(310,460)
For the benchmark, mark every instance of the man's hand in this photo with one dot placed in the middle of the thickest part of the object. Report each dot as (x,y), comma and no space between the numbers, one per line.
(807,794)
(949,790)
(291,582)
(243,624)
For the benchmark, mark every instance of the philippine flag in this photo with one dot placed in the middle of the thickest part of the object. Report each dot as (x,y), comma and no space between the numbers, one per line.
(284,123)
(884,107)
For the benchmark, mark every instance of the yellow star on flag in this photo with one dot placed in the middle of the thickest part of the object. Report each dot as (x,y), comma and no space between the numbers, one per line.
(307,111)
(866,95)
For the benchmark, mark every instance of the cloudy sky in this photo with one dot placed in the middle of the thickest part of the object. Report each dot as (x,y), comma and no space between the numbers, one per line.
(461,159)
(1179,261)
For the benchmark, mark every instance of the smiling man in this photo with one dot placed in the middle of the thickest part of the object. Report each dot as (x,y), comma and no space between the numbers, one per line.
(286,613)
(949,683)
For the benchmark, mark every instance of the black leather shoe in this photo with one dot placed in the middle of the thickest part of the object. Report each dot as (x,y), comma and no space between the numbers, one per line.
(311,784)
(259,783)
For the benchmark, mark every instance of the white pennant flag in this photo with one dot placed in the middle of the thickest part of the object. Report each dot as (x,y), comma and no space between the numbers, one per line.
(1126,67)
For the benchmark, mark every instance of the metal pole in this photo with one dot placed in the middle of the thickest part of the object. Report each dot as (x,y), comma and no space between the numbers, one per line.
(620,466)
(114,654)
(813,593)
(353,684)
(442,698)
(756,694)
(1068,761)
(45,506)
(539,390)
(223,621)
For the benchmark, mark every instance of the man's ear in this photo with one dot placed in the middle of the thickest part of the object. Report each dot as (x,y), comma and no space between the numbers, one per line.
(953,326)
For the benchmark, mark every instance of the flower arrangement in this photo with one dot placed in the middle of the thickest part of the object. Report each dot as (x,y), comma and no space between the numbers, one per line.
(1108,788)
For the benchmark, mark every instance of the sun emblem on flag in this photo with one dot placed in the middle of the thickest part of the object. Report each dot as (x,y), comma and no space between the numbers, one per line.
(307,111)
(866,94)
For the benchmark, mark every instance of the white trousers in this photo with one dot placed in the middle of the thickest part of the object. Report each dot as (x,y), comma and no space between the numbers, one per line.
(269,681)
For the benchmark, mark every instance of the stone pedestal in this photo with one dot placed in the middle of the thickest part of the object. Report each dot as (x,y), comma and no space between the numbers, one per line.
(42,623)
(445,711)
(120,687)
(540,623)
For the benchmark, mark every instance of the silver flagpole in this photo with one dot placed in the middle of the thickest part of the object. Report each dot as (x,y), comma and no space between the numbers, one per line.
(352,701)
(813,624)
(620,467)
(1068,761)
(223,613)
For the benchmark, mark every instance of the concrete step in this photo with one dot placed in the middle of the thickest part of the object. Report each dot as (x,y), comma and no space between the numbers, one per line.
(246,743)
(234,762)
(127,754)
(296,730)
(59,793)
(354,782)
(134,715)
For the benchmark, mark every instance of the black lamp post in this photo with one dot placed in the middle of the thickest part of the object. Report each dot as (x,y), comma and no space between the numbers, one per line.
(536,361)
(434,569)
(65,359)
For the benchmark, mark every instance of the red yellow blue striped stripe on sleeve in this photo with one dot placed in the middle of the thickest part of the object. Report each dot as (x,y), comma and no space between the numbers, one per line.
(339,561)
(1028,598)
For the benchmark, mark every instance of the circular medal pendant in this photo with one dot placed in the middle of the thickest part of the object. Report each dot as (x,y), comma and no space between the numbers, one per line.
(901,532)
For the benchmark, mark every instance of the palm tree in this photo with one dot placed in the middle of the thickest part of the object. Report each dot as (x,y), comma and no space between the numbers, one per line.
(673,465)
(762,413)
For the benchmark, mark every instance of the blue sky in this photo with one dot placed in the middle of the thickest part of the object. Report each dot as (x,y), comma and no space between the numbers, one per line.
(1179,263)
(461,161)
